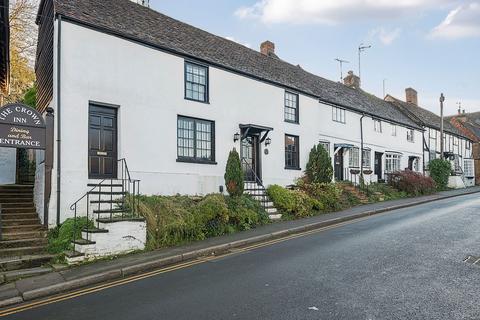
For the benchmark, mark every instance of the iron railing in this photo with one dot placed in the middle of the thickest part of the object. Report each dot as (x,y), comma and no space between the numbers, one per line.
(254,185)
(112,198)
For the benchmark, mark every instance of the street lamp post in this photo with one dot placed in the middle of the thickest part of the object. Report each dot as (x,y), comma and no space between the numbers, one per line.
(442,100)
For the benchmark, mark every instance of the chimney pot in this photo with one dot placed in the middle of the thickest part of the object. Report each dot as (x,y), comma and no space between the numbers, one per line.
(267,48)
(411,96)
(352,80)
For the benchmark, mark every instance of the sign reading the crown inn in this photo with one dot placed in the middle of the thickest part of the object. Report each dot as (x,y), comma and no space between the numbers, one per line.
(21,127)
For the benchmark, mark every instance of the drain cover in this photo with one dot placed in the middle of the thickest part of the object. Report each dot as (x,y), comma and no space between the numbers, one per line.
(472,260)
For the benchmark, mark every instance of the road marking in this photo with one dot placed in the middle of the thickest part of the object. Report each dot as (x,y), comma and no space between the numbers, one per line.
(200,260)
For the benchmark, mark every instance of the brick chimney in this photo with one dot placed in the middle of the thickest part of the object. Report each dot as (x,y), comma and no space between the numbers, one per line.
(267,48)
(411,96)
(352,80)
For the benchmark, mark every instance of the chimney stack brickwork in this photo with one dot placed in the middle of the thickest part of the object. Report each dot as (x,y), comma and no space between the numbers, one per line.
(352,80)
(267,48)
(411,96)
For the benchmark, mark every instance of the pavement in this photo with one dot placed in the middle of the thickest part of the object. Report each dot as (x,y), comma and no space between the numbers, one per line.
(33,288)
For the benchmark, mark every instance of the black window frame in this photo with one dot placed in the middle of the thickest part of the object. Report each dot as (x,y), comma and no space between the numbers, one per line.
(297,107)
(297,153)
(207,81)
(195,159)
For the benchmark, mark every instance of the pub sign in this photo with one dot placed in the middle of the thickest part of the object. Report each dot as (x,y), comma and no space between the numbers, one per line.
(21,127)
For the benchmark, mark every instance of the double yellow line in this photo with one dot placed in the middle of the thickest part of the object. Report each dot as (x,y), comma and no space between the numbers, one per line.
(179,266)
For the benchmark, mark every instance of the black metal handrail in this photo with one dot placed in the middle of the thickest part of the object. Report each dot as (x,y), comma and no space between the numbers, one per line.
(130,197)
(256,189)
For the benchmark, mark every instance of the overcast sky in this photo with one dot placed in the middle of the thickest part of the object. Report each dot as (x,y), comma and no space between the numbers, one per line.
(430,45)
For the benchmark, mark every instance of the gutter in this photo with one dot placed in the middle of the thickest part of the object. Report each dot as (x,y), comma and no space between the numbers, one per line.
(59,123)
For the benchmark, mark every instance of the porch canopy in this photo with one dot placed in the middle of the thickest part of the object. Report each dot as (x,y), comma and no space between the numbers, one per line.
(253,129)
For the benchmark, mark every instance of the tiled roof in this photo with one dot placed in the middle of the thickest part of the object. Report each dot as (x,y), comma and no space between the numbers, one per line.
(135,22)
(424,117)
(470,120)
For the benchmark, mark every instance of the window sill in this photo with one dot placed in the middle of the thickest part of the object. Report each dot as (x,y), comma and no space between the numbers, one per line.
(196,161)
(293,168)
(292,122)
(199,101)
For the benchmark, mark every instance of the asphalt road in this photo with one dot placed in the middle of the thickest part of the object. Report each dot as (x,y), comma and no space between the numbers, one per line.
(405,264)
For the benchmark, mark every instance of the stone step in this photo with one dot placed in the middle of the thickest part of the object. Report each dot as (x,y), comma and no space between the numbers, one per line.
(16,187)
(15,205)
(107,193)
(24,273)
(117,201)
(114,210)
(20,222)
(22,228)
(114,185)
(27,261)
(20,235)
(13,216)
(18,243)
(19,210)
(275,216)
(21,251)
(15,195)
(16,199)
(16,191)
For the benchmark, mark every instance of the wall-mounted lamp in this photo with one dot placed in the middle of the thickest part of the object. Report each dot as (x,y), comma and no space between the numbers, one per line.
(268,141)
(236,137)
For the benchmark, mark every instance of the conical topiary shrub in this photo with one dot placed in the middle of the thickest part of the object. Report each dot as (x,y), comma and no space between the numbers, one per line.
(234,174)
(319,167)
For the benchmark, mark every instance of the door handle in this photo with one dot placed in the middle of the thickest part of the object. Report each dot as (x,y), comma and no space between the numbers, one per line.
(101,153)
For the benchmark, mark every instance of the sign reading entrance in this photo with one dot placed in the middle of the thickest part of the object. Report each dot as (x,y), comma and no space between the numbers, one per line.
(21,127)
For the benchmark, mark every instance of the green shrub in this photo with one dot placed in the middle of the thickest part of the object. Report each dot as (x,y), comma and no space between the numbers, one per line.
(440,170)
(329,194)
(293,202)
(170,220)
(174,220)
(246,213)
(60,238)
(212,214)
(234,175)
(319,166)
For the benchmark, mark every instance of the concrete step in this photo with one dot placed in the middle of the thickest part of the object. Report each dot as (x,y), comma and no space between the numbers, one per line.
(275,216)
(16,199)
(20,222)
(114,185)
(16,195)
(15,205)
(24,273)
(21,251)
(22,228)
(10,216)
(16,187)
(107,193)
(19,210)
(27,261)
(18,243)
(20,235)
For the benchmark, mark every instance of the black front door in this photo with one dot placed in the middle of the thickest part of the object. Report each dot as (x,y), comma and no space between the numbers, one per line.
(250,157)
(378,165)
(102,142)
(338,160)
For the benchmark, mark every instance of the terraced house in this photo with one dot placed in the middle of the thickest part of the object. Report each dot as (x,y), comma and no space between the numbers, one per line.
(171,100)
(458,146)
